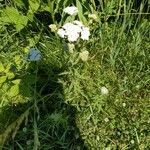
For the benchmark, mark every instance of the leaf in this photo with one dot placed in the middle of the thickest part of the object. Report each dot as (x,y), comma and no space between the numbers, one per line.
(17,81)
(12,16)
(34,5)
(1,67)
(10,75)
(19,3)
(80,13)
(30,15)
(59,3)
(51,6)
(3,79)
(70,19)
(14,90)
(22,22)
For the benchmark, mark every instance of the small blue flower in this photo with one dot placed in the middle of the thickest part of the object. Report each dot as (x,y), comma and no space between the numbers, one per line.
(34,55)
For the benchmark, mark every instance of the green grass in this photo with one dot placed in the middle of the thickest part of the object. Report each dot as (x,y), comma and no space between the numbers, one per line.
(59,104)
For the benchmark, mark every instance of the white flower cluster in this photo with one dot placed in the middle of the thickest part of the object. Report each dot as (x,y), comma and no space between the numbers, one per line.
(71,10)
(84,55)
(104,90)
(73,31)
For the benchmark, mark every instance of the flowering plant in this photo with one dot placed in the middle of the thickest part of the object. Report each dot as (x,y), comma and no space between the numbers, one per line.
(71,10)
(72,31)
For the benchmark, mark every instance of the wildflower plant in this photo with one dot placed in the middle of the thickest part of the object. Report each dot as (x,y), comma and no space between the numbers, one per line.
(73,31)
(71,10)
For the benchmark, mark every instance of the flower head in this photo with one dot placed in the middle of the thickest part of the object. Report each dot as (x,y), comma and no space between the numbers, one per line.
(104,90)
(106,119)
(124,104)
(85,33)
(73,31)
(71,10)
(72,37)
(84,55)
(93,16)
(71,28)
(53,27)
(34,54)
(76,22)
(61,32)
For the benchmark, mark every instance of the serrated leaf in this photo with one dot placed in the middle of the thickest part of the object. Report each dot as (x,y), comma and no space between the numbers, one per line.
(17,81)
(30,15)
(5,86)
(19,3)
(1,67)
(3,79)
(21,23)
(34,5)
(10,75)
(12,16)
(14,90)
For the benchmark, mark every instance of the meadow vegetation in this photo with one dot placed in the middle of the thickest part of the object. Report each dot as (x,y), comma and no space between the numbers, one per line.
(74,95)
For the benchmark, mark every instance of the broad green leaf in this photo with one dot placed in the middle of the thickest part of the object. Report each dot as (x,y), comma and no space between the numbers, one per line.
(34,5)
(3,79)
(51,6)
(1,67)
(17,81)
(12,16)
(19,3)
(5,86)
(22,22)
(17,58)
(10,75)
(45,8)
(14,90)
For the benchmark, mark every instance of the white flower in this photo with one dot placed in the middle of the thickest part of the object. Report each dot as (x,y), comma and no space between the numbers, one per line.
(132,142)
(72,37)
(137,86)
(85,33)
(66,26)
(53,27)
(71,47)
(84,55)
(124,104)
(72,31)
(71,10)
(71,28)
(106,119)
(104,90)
(76,22)
(61,33)
(93,16)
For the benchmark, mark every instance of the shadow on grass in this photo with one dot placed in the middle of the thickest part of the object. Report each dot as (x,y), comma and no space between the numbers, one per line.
(47,121)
